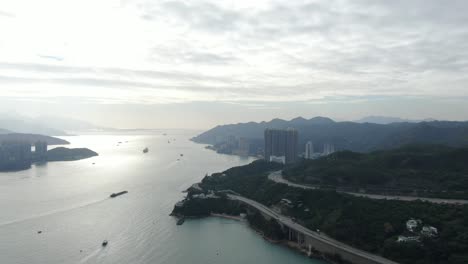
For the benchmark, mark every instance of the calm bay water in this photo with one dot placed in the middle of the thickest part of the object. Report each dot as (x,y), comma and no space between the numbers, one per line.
(68,202)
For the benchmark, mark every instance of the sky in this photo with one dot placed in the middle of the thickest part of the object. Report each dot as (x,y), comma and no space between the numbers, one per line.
(197,64)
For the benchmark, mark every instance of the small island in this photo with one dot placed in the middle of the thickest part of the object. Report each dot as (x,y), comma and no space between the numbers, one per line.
(66,154)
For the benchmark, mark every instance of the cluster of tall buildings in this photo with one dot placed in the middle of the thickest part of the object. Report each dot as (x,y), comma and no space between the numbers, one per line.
(281,145)
(310,153)
(40,151)
(234,145)
(19,156)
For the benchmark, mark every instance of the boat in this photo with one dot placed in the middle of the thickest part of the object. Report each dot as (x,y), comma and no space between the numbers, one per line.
(117,194)
(104,243)
(145,150)
(181,155)
(180,221)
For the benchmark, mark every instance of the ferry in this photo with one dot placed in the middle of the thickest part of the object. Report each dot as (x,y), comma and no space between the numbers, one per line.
(117,194)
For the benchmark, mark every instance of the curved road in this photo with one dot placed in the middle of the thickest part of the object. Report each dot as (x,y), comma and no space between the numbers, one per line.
(278,177)
(318,236)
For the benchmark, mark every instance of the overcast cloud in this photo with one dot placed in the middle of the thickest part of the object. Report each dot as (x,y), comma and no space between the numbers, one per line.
(266,56)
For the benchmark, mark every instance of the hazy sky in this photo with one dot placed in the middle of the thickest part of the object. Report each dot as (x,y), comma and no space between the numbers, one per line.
(148,63)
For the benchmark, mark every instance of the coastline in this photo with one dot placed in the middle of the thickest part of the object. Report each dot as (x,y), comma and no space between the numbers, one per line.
(288,244)
(226,216)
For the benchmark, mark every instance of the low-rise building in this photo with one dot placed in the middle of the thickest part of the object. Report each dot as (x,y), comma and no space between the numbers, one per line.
(408,239)
(278,159)
(412,224)
(429,231)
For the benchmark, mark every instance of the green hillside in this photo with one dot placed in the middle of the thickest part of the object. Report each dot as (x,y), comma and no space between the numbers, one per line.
(414,168)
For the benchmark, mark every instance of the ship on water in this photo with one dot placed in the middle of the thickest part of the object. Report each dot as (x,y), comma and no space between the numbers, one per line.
(145,150)
(118,194)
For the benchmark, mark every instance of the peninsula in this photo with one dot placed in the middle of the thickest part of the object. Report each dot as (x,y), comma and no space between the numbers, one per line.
(31,139)
(331,225)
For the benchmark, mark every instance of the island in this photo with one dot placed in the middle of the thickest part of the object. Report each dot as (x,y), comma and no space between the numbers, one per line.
(332,225)
(16,152)
(66,154)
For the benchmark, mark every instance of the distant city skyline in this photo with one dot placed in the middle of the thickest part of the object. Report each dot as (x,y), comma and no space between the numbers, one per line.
(197,64)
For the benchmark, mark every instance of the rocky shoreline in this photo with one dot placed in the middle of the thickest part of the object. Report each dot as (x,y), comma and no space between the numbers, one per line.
(262,228)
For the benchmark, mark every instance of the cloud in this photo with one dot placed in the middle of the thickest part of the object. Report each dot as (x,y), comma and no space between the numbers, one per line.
(50,57)
(6,14)
(267,51)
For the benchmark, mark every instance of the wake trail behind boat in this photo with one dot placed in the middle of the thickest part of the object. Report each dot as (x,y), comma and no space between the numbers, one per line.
(49,213)
(90,255)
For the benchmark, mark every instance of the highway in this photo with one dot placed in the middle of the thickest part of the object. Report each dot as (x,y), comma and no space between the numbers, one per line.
(278,177)
(312,234)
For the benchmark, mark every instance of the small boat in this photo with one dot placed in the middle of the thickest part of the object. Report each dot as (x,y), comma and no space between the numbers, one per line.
(180,221)
(117,194)
(145,150)
(104,243)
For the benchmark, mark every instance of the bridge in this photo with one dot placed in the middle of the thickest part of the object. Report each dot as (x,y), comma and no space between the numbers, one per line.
(309,239)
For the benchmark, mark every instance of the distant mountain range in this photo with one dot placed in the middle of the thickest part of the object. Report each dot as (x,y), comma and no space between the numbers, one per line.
(45,125)
(20,126)
(4,131)
(359,137)
(384,120)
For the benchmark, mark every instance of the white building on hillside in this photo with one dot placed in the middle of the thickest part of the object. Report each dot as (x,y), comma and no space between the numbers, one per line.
(278,159)
(412,224)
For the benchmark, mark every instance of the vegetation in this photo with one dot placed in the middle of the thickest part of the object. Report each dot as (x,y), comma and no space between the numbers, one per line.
(372,225)
(269,228)
(427,170)
(66,154)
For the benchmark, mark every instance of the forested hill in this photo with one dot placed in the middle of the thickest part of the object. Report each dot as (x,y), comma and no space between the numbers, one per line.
(434,170)
(369,224)
(359,137)
(31,138)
